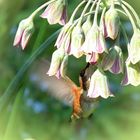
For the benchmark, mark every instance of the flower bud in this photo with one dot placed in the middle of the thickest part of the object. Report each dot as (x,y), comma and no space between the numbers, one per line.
(99,86)
(77,39)
(24,32)
(56,12)
(94,41)
(112,23)
(132,74)
(134,47)
(56,62)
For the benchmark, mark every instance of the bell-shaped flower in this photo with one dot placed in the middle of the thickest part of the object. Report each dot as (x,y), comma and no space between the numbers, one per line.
(56,12)
(92,58)
(24,32)
(67,43)
(87,25)
(113,61)
(77,40)
(57,63)
(63,68)
(132,74)
(108,59)
(62,35)
(99,86)
(94,41)
(117,66)
(134,47)
(112,23)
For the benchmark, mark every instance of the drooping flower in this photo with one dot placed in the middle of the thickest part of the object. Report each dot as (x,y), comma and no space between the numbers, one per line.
(24,32)
(99,86)
(77,40)
(56,12)
(117,66)
(108,59)
(94,41)
(58,63)
(62,35)
(132,74)
(87,25)
(92,58)
(134,47)
(113,61)
(112,23)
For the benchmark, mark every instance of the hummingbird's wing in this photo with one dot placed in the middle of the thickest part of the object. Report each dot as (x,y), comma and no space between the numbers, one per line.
(57,88)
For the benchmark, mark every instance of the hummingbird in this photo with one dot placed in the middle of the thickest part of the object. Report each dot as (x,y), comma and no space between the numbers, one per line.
(83,106)
(66,90)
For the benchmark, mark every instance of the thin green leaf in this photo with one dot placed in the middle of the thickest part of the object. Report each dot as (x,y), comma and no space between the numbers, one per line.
(11,91)
(12,122)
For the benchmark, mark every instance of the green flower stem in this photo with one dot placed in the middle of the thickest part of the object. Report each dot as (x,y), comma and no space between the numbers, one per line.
(133,11)
(113,4)
(84,11)
(89,13)
(40,8)
(76,21)
(122,12)
(129,15)
(11,91)
(96,13)
(75,11)
(91,9)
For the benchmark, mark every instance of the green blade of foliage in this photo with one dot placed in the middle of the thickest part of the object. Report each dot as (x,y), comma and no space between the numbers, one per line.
(13,87)
(12,122)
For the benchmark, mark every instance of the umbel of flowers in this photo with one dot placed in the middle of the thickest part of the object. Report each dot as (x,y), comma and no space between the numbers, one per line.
(86,35)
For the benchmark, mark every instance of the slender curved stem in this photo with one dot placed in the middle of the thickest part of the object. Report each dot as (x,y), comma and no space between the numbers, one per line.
(84,11)
(133,11)
(122,12)
(75,11)
(96,13)
(91,9)
(129,15)
(40,8)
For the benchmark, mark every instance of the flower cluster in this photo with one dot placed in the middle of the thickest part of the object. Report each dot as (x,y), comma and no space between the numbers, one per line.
(86,35)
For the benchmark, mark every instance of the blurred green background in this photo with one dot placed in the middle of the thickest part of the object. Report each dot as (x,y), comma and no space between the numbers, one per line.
(31,113)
